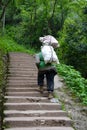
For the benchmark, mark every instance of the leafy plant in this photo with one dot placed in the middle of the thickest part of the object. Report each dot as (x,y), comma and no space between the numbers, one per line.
(73,39)
(73,79)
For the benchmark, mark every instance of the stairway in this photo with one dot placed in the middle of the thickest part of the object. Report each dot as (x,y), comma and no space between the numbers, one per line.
(25,107)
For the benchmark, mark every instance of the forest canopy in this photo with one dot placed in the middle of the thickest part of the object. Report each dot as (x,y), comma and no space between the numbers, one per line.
(26,20)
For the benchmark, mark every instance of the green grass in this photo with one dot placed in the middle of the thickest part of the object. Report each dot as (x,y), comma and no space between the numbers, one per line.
(9,45)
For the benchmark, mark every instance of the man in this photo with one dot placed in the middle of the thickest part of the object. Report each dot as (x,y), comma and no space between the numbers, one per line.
(47,70)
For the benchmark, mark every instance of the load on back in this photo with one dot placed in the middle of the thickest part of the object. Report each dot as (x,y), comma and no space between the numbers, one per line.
(49,43)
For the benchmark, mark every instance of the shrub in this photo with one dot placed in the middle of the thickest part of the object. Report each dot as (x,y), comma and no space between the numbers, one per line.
(76,83)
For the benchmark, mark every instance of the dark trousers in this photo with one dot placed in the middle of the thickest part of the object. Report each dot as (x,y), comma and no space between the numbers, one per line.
(49,74)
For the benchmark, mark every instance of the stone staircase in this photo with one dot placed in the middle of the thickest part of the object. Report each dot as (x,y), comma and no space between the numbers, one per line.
(25,107)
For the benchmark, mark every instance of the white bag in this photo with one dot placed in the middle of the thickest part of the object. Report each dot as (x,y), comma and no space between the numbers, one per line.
(49,54)
(49,40)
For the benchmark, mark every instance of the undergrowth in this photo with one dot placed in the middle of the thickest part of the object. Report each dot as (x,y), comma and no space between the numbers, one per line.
(74,80)
(9,45)
(2,85)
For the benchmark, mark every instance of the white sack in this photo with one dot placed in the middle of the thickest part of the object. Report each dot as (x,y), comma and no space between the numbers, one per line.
(49,40)
(49,54)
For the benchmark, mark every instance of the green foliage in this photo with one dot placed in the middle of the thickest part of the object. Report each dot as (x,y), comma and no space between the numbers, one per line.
(8,45)
(73,39)
(34,19)
(74,81)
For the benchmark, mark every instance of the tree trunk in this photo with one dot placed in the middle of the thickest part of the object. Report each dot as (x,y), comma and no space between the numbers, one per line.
(2,17)
(62,14)
(54,9)
(4,8)
(3,24)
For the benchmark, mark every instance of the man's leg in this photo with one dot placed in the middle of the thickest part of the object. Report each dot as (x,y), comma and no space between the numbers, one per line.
(41,81)
(50,83)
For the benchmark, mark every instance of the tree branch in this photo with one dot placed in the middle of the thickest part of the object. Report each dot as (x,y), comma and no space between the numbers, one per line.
(54,8)
(1,3)
(4,6)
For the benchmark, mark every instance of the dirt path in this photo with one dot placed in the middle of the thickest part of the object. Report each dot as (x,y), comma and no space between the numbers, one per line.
(25,107)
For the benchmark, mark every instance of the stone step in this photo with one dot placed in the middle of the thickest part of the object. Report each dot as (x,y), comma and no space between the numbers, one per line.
(22,58)
(21,78)
(19,57)
(22,84)
(19,65)
(22,75)
(27,60)
(22,61)
(28,57)
(36,94)
(27,99)
(31,113)
(17,60)
(21,81)
(25,107)
(25,89)
(40,128)
(22,69)
(33,106)
(37,121)
(22,65)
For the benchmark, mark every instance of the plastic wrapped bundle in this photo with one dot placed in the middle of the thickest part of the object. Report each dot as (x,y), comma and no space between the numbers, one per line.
(49,54)
(49,40)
